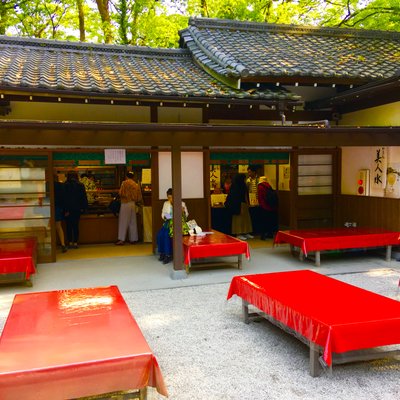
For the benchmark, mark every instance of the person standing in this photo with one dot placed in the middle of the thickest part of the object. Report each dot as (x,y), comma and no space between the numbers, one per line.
(131,197)
(59,213)
(254,208)
(164,242)
(237,203)
(268,200)
(90,186)
(75,203)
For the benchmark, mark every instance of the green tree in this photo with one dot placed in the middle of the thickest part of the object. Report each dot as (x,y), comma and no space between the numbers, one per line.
(156,23)
(147,23)
(106,24)
(371,14)
(42,19)
(122,17)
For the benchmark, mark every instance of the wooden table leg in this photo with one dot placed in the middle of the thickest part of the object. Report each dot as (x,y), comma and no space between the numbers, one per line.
(240,258)
(245,308)
(318,258)
(388,253)
(143,394)
(315,366)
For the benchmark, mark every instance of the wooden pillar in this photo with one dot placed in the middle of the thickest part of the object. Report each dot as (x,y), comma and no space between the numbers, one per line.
(178,270)
(206,174)
(155,195)
(53,233)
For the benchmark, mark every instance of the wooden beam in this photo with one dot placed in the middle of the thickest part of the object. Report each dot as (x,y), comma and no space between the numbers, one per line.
(139,135)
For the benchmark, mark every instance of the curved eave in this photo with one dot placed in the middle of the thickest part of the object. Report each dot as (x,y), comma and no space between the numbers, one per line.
(373,94)
(19,94)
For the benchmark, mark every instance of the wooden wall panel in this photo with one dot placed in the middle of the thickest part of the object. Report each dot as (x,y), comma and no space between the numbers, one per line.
(284,209)
(314,211)
(377,212)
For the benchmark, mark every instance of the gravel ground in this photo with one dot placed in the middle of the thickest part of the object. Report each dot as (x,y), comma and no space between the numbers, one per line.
(205,351)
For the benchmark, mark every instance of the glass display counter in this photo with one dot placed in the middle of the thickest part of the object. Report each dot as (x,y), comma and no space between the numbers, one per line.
(25,206)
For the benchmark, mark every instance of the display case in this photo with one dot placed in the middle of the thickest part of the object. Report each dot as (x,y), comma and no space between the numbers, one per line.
(25,203)
(101,184)
(98,224)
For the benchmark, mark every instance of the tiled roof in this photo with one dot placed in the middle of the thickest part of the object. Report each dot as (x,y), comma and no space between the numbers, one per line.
(249,51)
(83,69)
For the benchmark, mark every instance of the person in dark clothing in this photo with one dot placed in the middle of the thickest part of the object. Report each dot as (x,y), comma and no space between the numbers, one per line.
(237,203)
(59,212)
(75,202)
(269,212)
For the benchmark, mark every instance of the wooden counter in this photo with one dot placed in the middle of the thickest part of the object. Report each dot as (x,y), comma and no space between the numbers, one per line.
(95,228)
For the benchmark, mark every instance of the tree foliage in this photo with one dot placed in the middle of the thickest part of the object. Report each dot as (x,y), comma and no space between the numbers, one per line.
(156,22)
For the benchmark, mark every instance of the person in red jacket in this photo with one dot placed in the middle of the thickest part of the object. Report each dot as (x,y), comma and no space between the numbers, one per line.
(267,198)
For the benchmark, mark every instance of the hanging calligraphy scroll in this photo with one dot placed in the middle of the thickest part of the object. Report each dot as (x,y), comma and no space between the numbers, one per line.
(379,169)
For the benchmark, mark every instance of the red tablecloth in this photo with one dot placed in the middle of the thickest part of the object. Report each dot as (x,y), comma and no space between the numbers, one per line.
(215,244)
(18,255)
(335,315)
(337,238)
(73,343)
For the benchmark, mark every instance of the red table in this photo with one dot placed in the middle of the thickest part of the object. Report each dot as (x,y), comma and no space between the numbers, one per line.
(329,315)
(214,244)
(73,343)
(18,256)
(317,240)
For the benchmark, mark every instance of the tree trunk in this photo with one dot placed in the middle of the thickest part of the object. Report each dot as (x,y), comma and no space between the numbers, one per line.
(81,17)
(103,7)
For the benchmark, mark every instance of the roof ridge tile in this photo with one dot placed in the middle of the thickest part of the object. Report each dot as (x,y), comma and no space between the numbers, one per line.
(216,23)
(84,47)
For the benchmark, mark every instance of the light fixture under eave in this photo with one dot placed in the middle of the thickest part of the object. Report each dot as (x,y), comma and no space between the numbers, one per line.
(161,104)
(137,103)
(315,84)
(86,101)
(59,99)
(2,96)
(112,101)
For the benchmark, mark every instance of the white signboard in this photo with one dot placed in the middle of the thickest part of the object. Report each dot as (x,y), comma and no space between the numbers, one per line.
(114,156)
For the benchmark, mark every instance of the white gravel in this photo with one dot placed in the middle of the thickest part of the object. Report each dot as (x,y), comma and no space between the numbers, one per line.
(205,351)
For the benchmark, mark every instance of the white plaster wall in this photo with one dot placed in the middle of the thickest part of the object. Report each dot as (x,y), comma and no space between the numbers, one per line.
(192,174)
(356,158)
(386,115)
